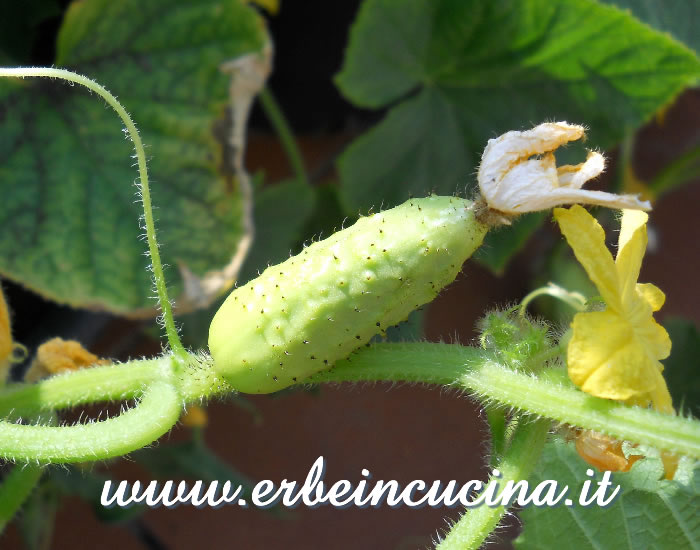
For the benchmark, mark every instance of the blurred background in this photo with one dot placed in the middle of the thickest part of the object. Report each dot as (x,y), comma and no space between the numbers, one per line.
(400,432)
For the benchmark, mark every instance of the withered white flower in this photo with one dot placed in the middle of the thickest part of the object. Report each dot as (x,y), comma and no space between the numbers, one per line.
(518,173)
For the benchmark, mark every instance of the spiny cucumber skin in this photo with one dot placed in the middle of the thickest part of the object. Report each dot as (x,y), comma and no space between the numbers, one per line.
(302,315)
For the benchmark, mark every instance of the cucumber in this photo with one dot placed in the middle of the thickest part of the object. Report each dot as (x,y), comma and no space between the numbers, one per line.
(299,317)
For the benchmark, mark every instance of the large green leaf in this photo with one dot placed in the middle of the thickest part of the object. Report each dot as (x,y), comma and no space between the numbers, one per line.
(458,72)
(69,212)
(680,17)
(648,513)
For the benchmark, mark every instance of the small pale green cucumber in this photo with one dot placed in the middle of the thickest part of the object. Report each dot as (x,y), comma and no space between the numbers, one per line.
(302,315)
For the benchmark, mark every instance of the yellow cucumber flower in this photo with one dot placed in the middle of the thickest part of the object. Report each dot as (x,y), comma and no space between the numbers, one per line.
(615,353)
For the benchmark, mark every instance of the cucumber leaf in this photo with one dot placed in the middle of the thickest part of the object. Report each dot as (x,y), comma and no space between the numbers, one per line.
(455,73)
(649,512)
(69,211)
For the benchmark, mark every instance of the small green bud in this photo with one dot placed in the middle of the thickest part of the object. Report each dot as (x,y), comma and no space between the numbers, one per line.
(515,338)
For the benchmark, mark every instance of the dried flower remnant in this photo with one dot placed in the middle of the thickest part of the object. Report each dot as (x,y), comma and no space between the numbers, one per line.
(57,355)
(604,452)
(518,173)
(195,417)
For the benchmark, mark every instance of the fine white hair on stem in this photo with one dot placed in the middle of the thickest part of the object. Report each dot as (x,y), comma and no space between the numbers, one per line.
(141,181)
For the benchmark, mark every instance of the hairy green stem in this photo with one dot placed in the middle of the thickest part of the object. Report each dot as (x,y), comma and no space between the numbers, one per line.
(406,362)
(517,463)
(154,415)
(547,395)
(106,383)
(497,423)
(158,276)
(164,391)
(111,383)
(477,371)
(15,489)
(571,406)
(199,381)
(284,132)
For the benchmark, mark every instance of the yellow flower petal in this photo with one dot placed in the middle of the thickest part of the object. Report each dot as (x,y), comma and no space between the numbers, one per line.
(661,398)
(653,338)
(628,373)
(5,331)
(631,248)
(587,239)
(652,294)
(605,357)
(597,335)
(632,220)
(658,396)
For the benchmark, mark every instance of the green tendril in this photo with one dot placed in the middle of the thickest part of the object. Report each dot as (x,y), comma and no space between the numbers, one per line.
(105,383)
(158,276)
(156,413)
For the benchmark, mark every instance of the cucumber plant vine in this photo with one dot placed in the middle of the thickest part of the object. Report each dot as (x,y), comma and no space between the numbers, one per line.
(353,285)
